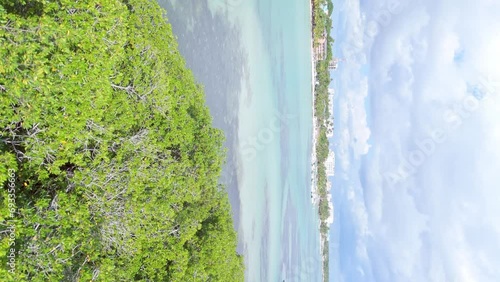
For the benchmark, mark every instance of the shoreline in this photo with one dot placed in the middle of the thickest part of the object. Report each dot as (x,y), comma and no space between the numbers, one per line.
(315,130)
(313,110)
(321,56)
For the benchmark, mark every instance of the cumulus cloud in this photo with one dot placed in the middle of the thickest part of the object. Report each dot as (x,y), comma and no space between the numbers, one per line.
(419,94)
(360,133)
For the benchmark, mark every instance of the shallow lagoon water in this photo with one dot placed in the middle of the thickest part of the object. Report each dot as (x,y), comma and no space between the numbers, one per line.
(253,58)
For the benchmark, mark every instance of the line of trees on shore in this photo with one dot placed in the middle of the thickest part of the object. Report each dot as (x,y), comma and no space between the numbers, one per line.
(322,24)
(114,160)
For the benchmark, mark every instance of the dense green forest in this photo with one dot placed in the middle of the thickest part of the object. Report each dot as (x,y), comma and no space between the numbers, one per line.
(109,164)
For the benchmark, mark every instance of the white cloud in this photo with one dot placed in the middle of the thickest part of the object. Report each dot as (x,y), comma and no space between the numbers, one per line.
(442,223)
(341,149)
(360,133)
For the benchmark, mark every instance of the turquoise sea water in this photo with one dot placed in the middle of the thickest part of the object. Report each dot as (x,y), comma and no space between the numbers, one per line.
(254,59)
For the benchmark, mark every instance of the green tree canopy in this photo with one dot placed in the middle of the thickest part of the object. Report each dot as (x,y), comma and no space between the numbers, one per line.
(116,161)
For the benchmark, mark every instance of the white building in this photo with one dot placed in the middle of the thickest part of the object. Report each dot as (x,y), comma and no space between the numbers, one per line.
(330,164)
(333,64)
(321,48)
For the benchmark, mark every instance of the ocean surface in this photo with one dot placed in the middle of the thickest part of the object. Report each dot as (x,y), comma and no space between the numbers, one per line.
(254,60)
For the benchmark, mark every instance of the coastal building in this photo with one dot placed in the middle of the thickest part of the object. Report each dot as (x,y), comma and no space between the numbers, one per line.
(330,202)
(331,91)
(330,208)
(321,48)
(330,164)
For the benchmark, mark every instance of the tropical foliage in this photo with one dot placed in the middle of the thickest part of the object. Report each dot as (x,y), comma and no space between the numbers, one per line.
(116,162)
(322,24)
(322,12)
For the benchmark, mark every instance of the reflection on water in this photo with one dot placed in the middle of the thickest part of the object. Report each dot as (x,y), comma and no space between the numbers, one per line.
(212,49)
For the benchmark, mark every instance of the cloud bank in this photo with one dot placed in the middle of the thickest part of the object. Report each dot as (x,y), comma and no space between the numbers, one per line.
(418,141)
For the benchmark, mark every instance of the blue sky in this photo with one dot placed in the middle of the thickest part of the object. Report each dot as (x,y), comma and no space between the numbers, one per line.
(417,141)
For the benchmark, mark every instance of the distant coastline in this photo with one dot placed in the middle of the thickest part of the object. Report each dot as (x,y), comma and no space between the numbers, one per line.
(108,150)
(322,62)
